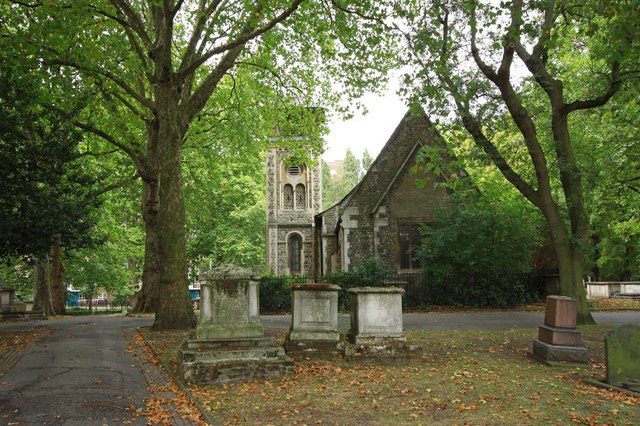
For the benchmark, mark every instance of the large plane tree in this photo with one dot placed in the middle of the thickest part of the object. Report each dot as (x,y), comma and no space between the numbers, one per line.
(157,63)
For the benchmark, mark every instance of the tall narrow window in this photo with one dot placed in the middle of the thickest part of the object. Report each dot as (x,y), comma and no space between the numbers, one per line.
(300,197)
(287,197)
(409,239)
(295,254)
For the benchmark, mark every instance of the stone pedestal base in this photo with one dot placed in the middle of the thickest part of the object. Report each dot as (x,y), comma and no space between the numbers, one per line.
(559,336)
(377,339)
(313,349)
(233,361)
(389,353)
(559,353)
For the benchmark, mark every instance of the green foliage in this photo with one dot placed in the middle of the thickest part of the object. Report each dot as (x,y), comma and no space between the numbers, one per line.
(121,297)
(44,191)
(85,311)
(478,253)
(608,150)
(225,201)
(367,273)
(18,275)
(367,160)
(116,263)
(468,57)
(276,293)
(335,188)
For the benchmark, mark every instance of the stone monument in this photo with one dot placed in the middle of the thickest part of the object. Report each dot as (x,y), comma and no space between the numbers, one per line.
(558,338)
(376,325)
(230,346)
(314,325)
(622,351)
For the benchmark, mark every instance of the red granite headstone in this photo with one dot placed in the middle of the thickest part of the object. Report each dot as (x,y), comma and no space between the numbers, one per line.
(559,339)
(561,311)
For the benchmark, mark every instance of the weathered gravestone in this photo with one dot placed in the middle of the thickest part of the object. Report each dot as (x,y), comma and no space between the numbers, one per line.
(376,325)
(314,324)
(558,338)
(622,351)
(230,346)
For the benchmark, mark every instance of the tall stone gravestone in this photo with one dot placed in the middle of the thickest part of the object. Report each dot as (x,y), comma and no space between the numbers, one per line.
(622,350)
(314,324)
(558,338)
(230,346)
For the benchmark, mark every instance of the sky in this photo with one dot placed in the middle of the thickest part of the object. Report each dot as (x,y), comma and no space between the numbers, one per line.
(370,131)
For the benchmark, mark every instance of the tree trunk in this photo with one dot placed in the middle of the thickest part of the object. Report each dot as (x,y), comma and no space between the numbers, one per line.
(571,280)
(175,310)
(571,250)
(147,300)
(58,291)
(42,291)
(570,260)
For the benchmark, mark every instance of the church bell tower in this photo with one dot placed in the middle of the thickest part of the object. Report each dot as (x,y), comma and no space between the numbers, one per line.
(294,197)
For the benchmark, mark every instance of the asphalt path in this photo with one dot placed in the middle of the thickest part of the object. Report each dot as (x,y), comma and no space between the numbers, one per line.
(80,374)
(495,320)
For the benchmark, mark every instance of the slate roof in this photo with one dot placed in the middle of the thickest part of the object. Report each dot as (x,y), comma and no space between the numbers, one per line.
(414,131)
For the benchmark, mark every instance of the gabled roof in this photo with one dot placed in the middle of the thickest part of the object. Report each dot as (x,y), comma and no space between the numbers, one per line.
(395,177)
(414,131)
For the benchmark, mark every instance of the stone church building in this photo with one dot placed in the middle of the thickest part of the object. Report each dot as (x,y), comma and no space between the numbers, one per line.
(380,218)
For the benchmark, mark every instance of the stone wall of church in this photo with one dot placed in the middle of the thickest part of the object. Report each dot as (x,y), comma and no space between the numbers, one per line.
(374,226)
(307,249)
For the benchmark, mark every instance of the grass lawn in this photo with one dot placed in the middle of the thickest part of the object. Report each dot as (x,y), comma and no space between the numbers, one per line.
(614,304)
(617,304)
(472,377)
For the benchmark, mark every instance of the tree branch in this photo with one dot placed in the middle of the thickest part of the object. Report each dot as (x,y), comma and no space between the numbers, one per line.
(107,74)
(203,14)
(241,40)
(475,53)
(131,152)
(198,100)
(358,13)
(136,22)
(273,73)
(598,101)
(473,127)
(95,194)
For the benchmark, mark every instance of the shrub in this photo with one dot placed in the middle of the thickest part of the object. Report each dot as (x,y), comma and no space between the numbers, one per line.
(275,292)
(368,272)
(478,254)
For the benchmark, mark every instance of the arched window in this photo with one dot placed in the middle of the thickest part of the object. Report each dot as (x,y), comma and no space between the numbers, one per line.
(294,244)
(300,197)
(287,195)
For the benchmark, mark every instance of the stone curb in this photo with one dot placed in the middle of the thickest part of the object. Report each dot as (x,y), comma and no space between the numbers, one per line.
(208,417)
(603,385)
(152,374)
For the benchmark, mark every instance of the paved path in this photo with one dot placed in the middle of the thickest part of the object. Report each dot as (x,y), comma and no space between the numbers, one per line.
(80,374)
(470,320)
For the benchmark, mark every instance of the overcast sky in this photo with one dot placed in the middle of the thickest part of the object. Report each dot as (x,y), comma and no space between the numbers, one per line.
(370,131)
